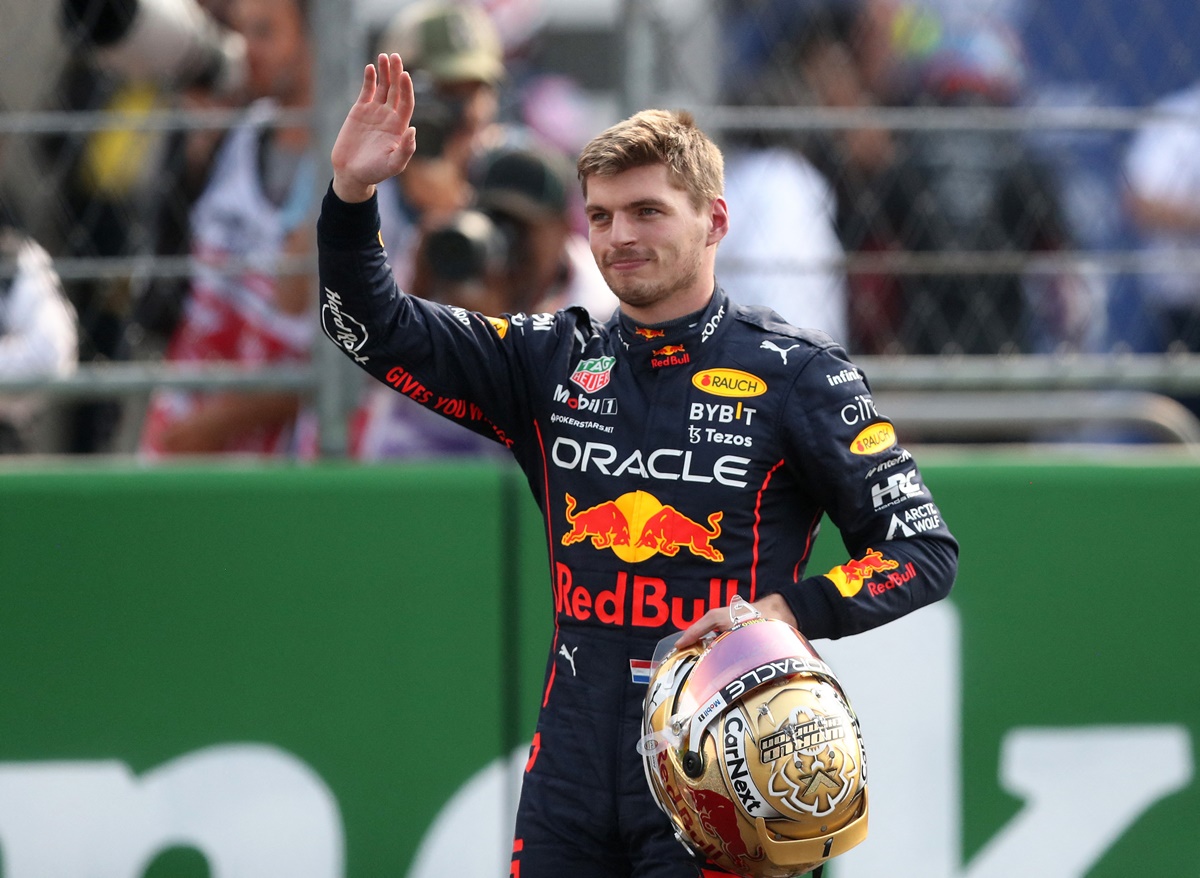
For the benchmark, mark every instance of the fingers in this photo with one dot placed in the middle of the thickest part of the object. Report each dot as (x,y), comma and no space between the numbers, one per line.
(771,607)
(387,83)
(383,64)
(368,87)
(400,94)
(710,621)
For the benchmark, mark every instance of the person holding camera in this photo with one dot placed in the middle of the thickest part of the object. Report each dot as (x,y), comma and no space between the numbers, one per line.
(512,251)
(481,218)
(458,66)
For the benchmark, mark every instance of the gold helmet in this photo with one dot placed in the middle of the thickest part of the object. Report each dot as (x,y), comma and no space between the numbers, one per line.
(752,749)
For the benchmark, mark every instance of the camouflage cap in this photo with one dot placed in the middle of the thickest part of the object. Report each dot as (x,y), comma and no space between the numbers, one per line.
(452,42)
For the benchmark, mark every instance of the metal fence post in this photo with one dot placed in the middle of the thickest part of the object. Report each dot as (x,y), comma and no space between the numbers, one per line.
(339,56)
(637,55)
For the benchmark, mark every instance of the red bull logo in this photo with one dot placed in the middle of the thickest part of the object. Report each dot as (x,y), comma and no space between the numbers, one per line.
(849,577)
(669,530)
(893,580)
(637,601)
(648,333)
(659,528)
(670,355)
(683,812)
(718,816)
(604,523)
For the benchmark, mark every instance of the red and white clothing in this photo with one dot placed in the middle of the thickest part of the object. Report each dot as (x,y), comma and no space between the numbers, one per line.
(232,313)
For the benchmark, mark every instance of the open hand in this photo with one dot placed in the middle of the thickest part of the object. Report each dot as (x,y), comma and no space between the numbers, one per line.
(376,140)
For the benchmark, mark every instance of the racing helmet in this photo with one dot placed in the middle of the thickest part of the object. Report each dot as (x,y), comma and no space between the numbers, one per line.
(752,749)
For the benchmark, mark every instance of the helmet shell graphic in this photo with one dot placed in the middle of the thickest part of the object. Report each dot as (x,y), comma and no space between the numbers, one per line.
(752,749)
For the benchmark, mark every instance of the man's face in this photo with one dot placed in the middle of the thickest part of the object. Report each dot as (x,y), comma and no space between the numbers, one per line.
(479,105)
(276,48)
(650,242)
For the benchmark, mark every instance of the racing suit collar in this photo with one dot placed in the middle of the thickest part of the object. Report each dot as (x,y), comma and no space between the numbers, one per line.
(676,342)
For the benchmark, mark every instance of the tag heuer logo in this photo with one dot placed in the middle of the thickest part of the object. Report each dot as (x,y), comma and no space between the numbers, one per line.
(592,375)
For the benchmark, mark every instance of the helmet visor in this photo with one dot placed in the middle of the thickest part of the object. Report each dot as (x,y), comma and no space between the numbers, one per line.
(740,661)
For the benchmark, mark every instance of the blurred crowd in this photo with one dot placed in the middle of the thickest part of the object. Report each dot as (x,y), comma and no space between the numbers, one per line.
(951,239)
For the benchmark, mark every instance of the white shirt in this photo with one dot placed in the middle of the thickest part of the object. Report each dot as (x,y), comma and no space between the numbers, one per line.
(38,331)
(1163,164)
(38,334)
(782,249)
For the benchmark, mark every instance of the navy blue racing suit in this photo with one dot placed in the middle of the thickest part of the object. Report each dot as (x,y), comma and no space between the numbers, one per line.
(676,465)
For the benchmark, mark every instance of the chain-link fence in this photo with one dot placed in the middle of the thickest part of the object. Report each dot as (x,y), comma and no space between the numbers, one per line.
(926,181)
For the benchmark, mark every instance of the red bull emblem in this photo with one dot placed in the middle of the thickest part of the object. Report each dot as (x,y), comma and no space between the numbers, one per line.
(659,528)
(605,523)
(849,577)
(718,816)
(592,375)
(647,333)
(670,355)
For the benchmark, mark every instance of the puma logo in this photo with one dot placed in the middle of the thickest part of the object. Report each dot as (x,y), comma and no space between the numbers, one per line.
(783,352)
(569,655)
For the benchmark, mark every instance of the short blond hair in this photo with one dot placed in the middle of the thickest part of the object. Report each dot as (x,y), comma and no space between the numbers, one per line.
(658,137)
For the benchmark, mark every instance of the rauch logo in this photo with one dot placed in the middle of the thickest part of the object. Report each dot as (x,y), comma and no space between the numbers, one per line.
(729,382)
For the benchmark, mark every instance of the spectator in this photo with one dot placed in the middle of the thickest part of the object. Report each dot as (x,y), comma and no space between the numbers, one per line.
(819,53)
(255,211)
(38,338)
(974,191)
(513,252)
(119,187)
(1162,170)
(784,253)
(455,55)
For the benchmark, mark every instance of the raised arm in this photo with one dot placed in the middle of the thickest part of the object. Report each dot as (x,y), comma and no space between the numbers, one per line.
(376,140)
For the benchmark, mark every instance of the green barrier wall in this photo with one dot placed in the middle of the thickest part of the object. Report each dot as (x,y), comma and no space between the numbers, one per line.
(386,626)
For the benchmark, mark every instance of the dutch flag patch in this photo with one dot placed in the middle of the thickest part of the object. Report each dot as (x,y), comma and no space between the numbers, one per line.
(639,670)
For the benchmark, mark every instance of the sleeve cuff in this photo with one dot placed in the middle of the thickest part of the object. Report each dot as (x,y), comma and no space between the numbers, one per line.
(809,603)
(345,223)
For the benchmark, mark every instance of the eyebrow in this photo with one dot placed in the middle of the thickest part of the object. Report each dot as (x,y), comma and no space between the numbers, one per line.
(633,205)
